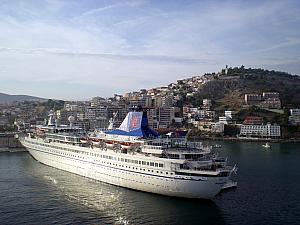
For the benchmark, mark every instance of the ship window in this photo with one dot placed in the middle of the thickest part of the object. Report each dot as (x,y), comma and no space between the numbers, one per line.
(174,156)
(156,164)
(151,164)
(161,165)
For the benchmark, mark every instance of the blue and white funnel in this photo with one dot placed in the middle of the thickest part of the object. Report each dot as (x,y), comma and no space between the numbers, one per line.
(135,124)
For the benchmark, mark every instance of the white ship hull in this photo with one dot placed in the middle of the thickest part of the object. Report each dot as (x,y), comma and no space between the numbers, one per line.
(159,181)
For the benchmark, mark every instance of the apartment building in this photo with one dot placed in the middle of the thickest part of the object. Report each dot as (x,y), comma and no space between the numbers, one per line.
(260,131)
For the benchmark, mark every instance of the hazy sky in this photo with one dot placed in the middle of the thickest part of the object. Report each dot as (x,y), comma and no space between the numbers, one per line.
(79,49)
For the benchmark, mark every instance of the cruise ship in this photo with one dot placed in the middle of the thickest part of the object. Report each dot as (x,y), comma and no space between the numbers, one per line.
(133,156)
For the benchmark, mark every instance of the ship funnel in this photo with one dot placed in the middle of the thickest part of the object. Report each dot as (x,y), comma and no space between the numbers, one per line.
(135,124)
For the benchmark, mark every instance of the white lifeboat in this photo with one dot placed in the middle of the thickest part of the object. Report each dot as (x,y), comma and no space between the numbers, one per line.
(84,140)
(109,144)
(95,141)
(126,145)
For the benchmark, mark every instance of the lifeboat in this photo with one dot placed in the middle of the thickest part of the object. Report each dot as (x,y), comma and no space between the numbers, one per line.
(126,145)
(109,144)
(84,140)
(95,141)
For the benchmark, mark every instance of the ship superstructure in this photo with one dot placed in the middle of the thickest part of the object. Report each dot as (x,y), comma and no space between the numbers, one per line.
(133,156)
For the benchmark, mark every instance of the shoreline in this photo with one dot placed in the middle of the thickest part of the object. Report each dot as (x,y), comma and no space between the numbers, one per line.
(12,149)
(245,139)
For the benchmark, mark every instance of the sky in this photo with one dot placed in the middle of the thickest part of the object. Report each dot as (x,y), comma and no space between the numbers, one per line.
(74,50)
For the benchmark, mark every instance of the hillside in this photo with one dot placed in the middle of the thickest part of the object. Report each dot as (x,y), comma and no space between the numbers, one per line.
(228,90)
(5,98)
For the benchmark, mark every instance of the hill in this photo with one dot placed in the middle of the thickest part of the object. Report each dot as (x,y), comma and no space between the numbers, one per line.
(6,98)
(228,90)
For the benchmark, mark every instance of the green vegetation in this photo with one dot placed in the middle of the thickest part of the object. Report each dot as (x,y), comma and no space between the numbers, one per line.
(54,104)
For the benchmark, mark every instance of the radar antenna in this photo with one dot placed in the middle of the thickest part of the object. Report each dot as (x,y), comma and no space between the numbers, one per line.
(71,119)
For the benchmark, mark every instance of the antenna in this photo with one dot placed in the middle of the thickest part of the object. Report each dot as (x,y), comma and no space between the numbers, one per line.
(51,118)
(112,120)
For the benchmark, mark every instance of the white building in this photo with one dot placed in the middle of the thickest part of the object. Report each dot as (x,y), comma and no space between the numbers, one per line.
(217,128)
(71,107)
(261,131)
(90,113)
(207,103)
(294,118)
(229,114)
(267,95)
(161,117)
(295,112)
(223,119)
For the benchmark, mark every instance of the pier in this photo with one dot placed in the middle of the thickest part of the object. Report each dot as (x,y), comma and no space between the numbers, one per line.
(8,142)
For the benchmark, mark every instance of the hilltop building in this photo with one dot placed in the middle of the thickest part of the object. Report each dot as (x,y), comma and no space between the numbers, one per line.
(268,100)
(271,103)
(294,117)
(252,99)
(267,95)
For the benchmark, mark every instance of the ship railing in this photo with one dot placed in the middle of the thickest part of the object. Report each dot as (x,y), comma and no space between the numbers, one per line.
(181,143)
(113,137)
(187,150)
(199,164)
(204,173)
(209,169)
(153,147)
(184,146)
